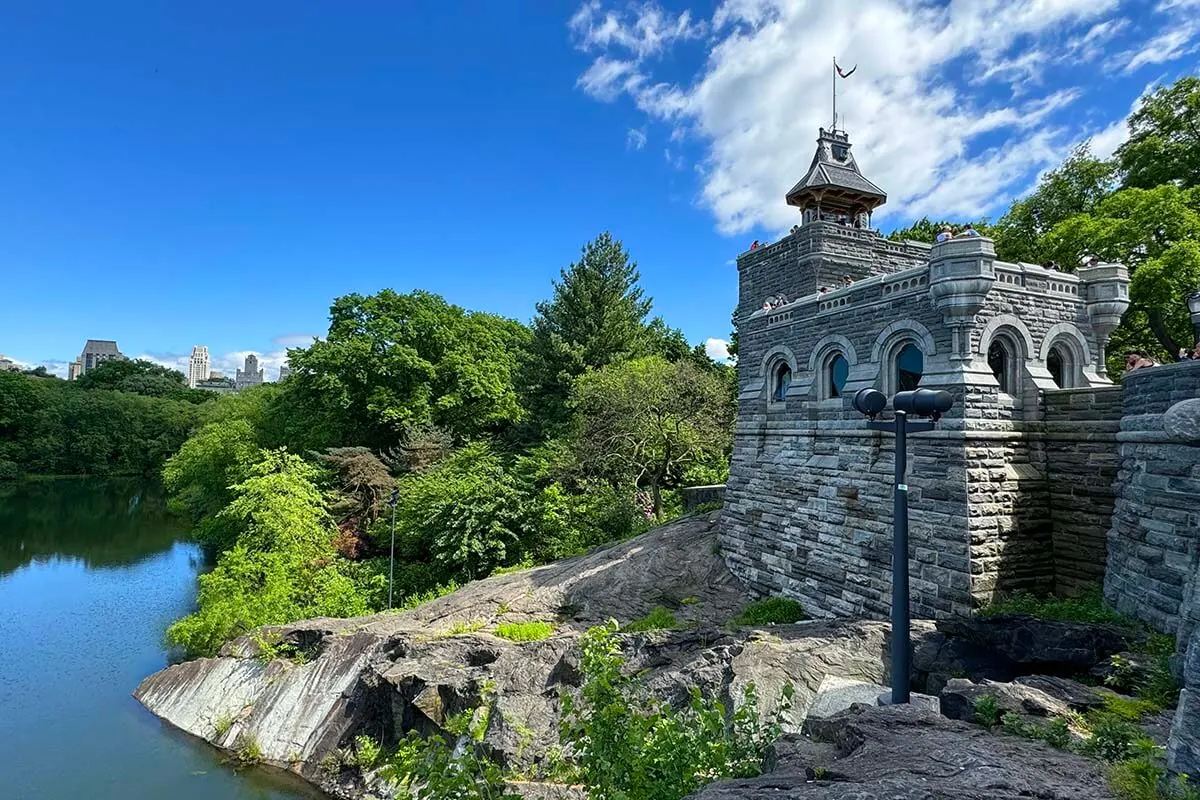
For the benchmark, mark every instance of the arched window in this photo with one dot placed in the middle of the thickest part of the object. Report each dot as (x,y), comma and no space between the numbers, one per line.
(781,379)
(910,365)
(1060,362)
(1000,362)
(836,371)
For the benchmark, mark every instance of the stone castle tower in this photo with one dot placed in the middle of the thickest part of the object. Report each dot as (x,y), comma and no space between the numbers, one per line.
(1001,495)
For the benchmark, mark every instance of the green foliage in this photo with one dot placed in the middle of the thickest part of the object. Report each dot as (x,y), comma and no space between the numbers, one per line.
(1088,607)
(598,316)
(659,618)
(1057,733)
(222,725)
(628,744)
(367,752)
(140,377)
(414,600)
(394,361)
(987,711)
(1076,187)
(1128,708)
(428,769)
(200,477)
(1164,138)
(1113,738)
(1159,686)
(247,753)
(56,428)
(771,611)
(1145,779)
(525,631)
(465,626)
(281,566)
(644,422)
(926,230)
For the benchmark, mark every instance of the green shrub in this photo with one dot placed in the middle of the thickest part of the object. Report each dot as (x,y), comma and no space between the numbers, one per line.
(660,618)
(366,752)
(428,769)
(1012,724)
(465,626)
(525,631)
(628,744)
(1113,738)
(9,470)
(771,611)
(1159,686)
(421,598)
(987,711)
(1057,733)
(1088,607)
(1144,779)
(1128,708)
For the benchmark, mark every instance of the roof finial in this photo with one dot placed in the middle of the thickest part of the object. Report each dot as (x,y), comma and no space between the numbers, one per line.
(837,71)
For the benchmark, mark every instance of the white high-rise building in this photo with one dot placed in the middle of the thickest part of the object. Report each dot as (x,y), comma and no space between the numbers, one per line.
(198,365)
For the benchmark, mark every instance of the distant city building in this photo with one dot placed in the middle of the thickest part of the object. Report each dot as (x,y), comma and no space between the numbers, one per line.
(214,375)
(284,371)
(95,352)
(8,365)
(251,375)
(216,384)
(198,365)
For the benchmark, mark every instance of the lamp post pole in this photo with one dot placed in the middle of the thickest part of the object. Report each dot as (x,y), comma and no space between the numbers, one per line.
(922,403)
(392,556)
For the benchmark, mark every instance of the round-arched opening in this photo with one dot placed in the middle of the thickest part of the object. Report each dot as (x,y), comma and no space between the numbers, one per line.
(1061,364)
(836,373)
(910,366)
(1000,361)
(781,379)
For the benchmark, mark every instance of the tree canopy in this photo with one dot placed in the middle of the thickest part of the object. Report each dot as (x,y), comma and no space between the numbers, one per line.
(1164,138)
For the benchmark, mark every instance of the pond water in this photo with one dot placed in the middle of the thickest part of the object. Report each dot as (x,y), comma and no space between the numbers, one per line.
(91,574)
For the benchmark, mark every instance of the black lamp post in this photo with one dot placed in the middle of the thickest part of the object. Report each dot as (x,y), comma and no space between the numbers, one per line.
(921,403)
(1194,309)
(392,558)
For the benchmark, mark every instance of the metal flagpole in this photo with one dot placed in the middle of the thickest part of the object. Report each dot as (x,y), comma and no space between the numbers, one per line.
(835,93)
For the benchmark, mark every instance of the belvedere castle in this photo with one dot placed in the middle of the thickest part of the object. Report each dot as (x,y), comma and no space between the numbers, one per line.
(1044,477)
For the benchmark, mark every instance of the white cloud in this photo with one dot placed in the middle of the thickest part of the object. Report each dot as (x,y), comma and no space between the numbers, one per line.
(763,91)
(293,340)
(635,139)
(1167,46)
(717,349)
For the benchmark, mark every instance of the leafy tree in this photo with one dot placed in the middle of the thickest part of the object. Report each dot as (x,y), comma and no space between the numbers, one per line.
(363,482)
(926,230)
(201,476)
(139,377)
(392,361)
(644,422)
(1156,233)
(596,317)
(1164,138)
(1076,187)
(282,566)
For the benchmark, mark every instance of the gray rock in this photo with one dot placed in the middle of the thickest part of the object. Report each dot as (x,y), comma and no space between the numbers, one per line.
(1036,643)
(1182,420)
(1077,696)
(900,753)
(960,695)
(1183,753)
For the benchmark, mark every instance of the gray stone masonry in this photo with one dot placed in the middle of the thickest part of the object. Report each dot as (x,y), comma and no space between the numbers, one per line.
(1154,541)
(808,509)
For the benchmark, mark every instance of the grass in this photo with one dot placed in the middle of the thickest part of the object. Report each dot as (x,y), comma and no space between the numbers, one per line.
(659,618)
(421,598)
(1144,779)
(771,611)
(1088,607)
(987,711)
(524,564)
(247,753)
(223,724)
(525,631)
(366,752)
(470,626)
(1129,708)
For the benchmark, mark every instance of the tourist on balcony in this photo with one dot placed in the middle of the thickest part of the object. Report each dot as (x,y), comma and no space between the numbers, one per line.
(945,234)
(967,231)
(1137,360)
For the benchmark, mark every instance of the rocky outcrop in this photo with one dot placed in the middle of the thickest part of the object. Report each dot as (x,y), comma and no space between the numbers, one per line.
(902,753)
(389,673)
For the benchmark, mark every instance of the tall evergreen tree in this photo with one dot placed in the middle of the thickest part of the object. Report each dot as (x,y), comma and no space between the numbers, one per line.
(598,316)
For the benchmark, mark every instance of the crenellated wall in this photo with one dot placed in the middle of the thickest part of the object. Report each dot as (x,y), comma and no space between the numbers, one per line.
(808,508)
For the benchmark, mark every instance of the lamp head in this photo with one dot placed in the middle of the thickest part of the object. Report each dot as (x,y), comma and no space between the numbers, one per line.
(923,402)
(869,402)
(1193,303)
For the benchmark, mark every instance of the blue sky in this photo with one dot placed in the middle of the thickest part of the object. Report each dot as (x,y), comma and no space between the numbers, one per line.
(217,174)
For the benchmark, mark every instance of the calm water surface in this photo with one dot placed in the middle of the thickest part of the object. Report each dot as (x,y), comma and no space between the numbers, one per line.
(91,574)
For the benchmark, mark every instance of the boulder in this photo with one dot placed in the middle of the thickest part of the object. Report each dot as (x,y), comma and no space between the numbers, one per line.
(960,695)
(1050,646)
(1183,752)
(902,753)
(1074,694)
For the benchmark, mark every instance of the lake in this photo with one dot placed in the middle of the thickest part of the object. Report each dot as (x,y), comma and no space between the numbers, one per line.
(91,574)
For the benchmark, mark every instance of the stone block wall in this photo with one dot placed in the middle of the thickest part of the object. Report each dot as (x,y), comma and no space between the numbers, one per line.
(1081,455)
(1154,541)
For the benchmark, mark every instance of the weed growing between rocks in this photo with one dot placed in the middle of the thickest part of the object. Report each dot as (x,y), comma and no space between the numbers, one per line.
(525,631)
(660,618)
(771,611)
(1088,607)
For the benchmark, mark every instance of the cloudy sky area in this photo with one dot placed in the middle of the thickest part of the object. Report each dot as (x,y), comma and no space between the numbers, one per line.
(165,197)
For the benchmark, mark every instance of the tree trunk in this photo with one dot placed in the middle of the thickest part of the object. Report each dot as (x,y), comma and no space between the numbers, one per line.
(1159,328)
(656,496)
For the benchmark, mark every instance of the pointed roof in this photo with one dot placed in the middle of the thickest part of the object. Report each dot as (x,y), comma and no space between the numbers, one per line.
(833,177)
